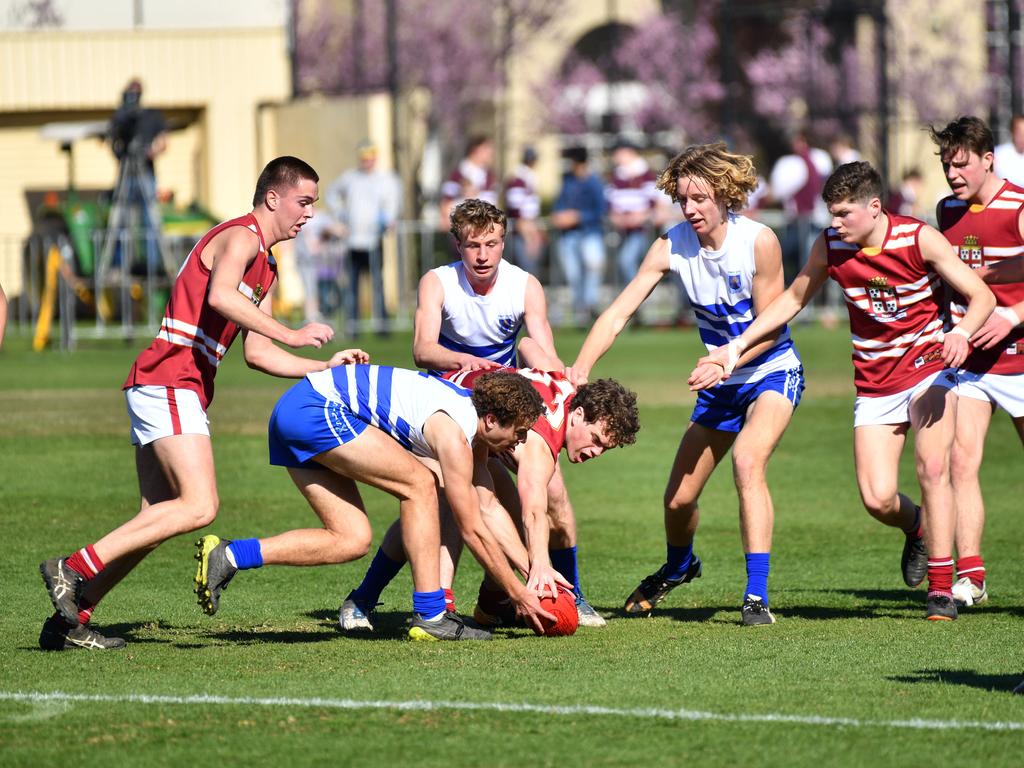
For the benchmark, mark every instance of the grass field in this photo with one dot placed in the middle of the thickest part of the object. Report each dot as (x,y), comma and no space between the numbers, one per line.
(852,673)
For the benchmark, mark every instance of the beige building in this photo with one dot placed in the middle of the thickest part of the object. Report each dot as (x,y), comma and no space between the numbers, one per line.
(210,81)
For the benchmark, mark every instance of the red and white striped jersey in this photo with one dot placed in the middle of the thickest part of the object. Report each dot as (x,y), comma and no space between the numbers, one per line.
(891,296)
(986,235)
(554,389)
(632,189)
(193,337)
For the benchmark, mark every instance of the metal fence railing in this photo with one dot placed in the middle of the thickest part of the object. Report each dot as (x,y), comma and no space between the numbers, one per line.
(49,298)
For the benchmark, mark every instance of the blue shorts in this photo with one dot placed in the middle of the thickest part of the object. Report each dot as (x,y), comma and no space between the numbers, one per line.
(305,423)
(725,407)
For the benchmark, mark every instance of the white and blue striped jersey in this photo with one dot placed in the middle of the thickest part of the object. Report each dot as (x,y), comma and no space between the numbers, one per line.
(719,285)
(483,326)
(396,401)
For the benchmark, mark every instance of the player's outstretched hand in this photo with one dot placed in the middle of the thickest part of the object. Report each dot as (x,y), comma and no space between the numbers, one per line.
(529,610)
(955,348)
(575,376)
(312,335)
(348,357)
(471,363)
(544,580)
(996,328)
(706,375)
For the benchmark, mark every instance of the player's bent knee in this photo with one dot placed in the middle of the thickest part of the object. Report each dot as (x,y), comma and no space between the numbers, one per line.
(680,505)
(748,467)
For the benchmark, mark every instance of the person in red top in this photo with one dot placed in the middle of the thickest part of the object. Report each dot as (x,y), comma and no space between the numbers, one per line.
(984,220)
(226,285)
(886,265)
(585,421)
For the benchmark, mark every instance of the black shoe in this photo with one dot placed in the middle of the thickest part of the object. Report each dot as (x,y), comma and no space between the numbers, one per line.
(755,612)
(914,562)
(450,626)
(214,573)
(653,589)
(65,587)
(58,636)
(941,608)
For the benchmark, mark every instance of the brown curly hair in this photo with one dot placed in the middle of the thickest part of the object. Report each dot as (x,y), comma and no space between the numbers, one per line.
(730,176)
(605,400)
(473,216)
(509,397)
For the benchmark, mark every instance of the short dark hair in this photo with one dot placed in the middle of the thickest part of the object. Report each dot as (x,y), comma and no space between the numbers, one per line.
(605,400)
(576,154)
(507,396)
(968,133)
(475,215)
(282,173)
(858,182)
(475,142)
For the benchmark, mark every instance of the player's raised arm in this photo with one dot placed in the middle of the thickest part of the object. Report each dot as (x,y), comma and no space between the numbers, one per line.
(611,322)
(942,257)
(457,468)
(233,251)
(780,311)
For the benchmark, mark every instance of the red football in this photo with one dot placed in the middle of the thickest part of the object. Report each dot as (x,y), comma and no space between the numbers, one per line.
(564,608)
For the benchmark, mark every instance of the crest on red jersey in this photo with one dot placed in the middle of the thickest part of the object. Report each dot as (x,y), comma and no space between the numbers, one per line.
(970,252)
(884,301)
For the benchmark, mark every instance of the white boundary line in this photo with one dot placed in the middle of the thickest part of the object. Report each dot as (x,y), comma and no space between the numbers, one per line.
(483,706)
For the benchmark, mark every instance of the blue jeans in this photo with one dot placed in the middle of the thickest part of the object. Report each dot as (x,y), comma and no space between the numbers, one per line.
(631,252)
(581,255)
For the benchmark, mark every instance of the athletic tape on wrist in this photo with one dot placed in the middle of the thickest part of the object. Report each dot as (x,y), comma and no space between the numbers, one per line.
(960,332)
(1007,313)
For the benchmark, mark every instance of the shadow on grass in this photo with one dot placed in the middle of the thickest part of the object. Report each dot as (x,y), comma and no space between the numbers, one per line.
(967,677)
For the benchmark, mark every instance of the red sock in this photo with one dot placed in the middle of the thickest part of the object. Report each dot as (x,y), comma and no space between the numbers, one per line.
(940,575)
(449,600)
(85,609)
(85,562)
(972,567)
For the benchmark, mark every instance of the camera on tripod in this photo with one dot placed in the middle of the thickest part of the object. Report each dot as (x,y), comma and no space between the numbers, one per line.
(125,137)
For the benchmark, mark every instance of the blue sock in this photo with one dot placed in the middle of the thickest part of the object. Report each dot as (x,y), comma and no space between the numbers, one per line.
(247,553)
(564,561)
(678,560)
(757,575)
(429,605)
(380,573)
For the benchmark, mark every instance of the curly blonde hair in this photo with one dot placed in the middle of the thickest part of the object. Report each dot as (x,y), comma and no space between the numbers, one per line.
(730,176)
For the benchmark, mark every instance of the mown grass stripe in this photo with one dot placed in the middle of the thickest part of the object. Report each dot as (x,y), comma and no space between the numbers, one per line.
(486,706)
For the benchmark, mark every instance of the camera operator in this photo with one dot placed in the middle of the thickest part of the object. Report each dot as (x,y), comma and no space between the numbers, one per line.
(137,136)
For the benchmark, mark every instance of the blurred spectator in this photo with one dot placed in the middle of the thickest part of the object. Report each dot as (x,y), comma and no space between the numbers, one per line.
(578,214)
(318,257)
(1009,156)
(3,315)
(796,182)
(632,199)
(906,200)
(137,136)
(522,206)
(472,177)
(843,151)
(366,202)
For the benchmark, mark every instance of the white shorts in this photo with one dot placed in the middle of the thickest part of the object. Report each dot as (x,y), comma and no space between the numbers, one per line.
(157,412)
(1006,390)
(895,409)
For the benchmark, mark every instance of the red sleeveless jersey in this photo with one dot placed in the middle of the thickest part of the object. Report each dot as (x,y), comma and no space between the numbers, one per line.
(193,337)
(986,235)
(554,389)
(894,312)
